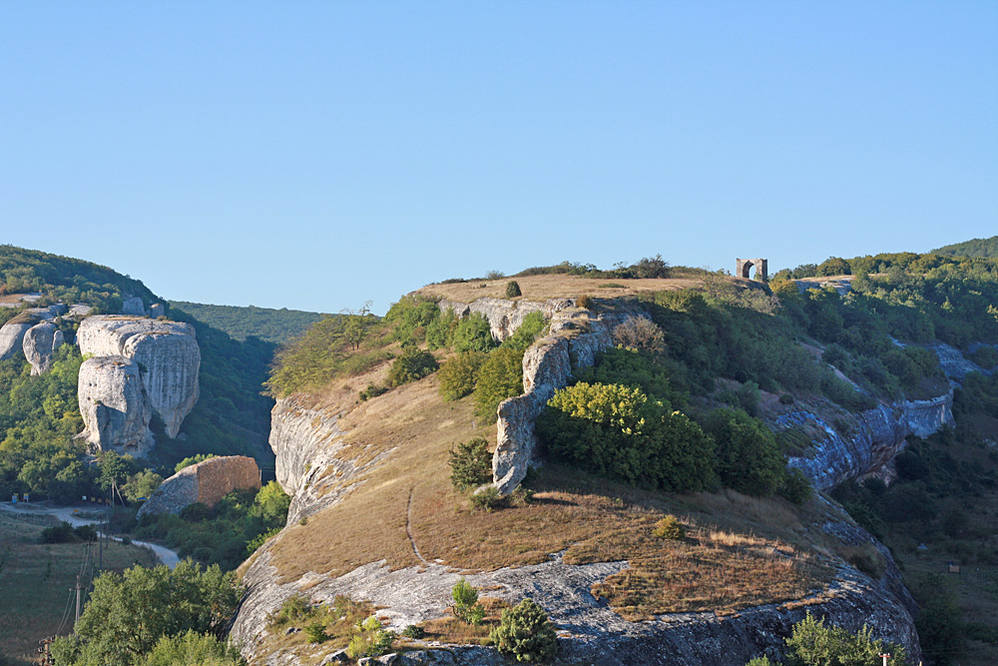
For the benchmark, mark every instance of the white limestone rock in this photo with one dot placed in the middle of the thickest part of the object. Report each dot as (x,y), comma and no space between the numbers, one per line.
(133,306)
(39,344)
(114,405)
(166,351)
(12,335)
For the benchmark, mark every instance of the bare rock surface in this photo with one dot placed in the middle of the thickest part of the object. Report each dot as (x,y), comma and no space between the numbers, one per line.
(39,343)
(879,435)
(133,306)
(114,406)
(206,482)
(12,335)
(505,316)
(167,352)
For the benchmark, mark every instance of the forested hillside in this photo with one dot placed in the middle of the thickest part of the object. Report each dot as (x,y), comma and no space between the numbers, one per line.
(267,324)
(977,247)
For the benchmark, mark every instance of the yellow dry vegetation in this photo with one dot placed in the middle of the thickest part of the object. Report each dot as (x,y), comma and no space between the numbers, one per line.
(741,551)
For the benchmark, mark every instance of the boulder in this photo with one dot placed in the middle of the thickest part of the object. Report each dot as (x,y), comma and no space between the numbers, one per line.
(79,311)
(114,406)
(167,352)
(133,306)
(39,343)
(12,335)
(206,482)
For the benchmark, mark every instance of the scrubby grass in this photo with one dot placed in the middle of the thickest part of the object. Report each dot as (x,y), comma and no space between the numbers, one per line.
(595,519)
(542,287)
(35,579)
(450,629)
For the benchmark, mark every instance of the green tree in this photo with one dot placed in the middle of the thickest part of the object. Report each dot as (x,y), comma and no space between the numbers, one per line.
(470,464)
(473,333)
(141,484)
(748,458)
(814,644)
(192,648)
(526,634)
(411,365)
(500,377)
(459,374)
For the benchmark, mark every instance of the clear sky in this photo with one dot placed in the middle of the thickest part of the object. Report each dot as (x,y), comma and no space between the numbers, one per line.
(318,155)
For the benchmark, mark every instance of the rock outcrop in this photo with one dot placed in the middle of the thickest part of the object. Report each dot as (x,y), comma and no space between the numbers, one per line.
(206,482)
(157,310)
(167,352)
(12,334)
(133,306)
(114,405)
(39,344)
(878,435)
(505,316)
(162,355)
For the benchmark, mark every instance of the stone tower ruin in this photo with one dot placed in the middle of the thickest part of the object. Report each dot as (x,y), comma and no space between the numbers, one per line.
(744,266)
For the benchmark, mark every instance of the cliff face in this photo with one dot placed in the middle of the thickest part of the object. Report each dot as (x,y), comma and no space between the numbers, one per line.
(166,358)
(506,316)
(879,435)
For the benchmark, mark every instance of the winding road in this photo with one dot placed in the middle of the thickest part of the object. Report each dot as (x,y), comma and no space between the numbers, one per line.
(72,516)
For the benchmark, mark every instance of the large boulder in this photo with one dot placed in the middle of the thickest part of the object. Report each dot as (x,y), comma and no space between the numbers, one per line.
(133,306)
(114,406)
(166,351)
(39,344)
(12,335)
(206,482)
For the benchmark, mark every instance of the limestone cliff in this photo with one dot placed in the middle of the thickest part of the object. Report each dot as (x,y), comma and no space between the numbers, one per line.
(12,335)
(206,482)
(164,358)
(40,342)
(505,316)
(167,352)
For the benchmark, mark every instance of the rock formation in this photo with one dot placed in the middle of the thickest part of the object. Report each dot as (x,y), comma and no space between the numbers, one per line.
(505,316)
(39,343)
(167,352)
(12,334)
(114,405)
(157,310)
(207,482)
(133,306)
(165,357)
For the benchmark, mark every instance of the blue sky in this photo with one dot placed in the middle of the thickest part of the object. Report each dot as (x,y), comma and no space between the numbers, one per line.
(318,155)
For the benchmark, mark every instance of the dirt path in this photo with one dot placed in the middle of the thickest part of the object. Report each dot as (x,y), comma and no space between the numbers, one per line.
(71,515)
(408,529)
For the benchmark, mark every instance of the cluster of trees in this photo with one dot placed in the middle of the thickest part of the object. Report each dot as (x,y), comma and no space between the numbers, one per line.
(240,323)
(66,279)
(225,534)
(814,643)
(977,247)
(153,617)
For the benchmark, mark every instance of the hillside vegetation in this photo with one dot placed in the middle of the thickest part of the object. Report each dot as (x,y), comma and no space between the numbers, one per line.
(239,323)
(978,247)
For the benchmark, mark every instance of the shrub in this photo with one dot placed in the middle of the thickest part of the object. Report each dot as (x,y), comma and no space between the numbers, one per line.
(795,486)
(195,512)
(459,373)
(470,464)
(786,399)
(500,377)
(411,365)
(373,391)
(867,559)
(618,431)
(473,333)
(414,631)
(294,610)
(585,302)
(513,289)
(190,648)
(370,639)
(670,528)
(531,326)
(939,622)
(761,661)
(192,460)
(526,633)
(748,458)
(316,632)
(488,499)
(466,606)
(640,333)
(985,356)
(814,644)
(61,533)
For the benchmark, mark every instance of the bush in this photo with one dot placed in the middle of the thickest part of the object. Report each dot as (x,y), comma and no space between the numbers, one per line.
(470,464)
(373,391)
(191,648)
(814,644)
(414,631)
(488,499)
(370,639)
(192,460)
(585,302)
(466,606)
(473,333)
(458,374)
(748,458)
(618,431)
(795,486)
(761,661)
(526,633)
(500,377)
(670,528)
(413,364)
(61,533)
(295,610)
(640,333)
(513,289)
(531,326)
(316,632)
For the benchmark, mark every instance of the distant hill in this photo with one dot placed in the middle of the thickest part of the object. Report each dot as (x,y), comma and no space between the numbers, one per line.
(267,324)
(977,247)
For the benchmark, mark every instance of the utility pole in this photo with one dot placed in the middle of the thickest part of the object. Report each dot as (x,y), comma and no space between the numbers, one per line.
(100,548)
(78,601)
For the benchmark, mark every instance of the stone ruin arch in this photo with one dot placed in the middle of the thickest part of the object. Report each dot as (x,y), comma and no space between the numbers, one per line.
(744,266)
